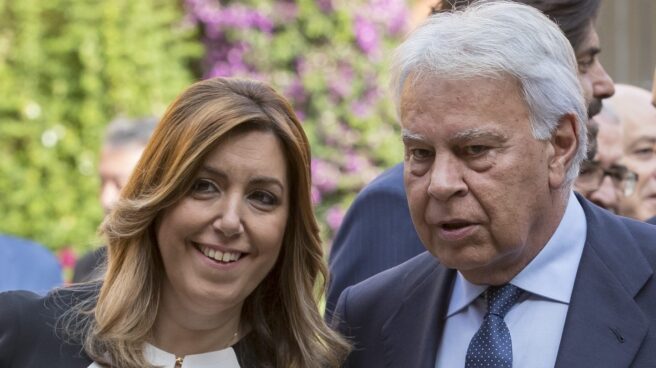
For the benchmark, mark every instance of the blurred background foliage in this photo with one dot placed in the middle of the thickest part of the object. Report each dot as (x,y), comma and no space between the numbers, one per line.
(67,67)
(330,58)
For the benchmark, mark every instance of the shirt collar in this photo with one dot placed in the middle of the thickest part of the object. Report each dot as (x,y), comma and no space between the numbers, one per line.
(550,274)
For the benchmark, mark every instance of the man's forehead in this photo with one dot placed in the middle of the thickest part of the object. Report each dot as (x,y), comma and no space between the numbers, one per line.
(590,44)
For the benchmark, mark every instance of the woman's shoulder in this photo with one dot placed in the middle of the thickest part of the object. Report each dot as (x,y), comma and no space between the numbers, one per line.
(29,324)
(37,307)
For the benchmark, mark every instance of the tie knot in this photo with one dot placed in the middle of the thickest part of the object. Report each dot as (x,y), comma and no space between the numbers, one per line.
(501,298)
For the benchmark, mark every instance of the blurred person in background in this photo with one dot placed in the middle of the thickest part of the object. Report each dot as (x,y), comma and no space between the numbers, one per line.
(26,265)
(377,232)
(214,255)
(638,119)
(125,140)
(604,180)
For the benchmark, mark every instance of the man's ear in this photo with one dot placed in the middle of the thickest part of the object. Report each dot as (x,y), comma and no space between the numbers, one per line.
(564,144)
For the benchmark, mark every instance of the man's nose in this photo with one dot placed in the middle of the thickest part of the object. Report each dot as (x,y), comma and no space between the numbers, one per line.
(446,179)
(602,85)
(109,193)
(607,195)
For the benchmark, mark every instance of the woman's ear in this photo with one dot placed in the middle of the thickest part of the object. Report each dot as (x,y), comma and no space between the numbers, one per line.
(564,144)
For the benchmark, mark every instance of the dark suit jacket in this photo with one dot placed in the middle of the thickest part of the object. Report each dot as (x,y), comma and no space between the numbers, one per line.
(396,317)
(376,234)
(30,336)
(652,220)
(27,331)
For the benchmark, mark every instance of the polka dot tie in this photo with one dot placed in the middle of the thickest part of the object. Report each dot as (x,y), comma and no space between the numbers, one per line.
(491,347)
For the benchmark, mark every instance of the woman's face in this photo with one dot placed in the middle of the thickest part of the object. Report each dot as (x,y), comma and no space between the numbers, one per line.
(222,239)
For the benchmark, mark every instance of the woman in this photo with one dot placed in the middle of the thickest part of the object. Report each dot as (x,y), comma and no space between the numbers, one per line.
(214,253)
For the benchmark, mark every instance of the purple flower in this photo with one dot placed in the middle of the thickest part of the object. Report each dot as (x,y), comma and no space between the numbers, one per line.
(334,217)
(392,14)
(324,175)
(296,92)
(326,6)
(341,85)
(315,195)
(366,35)
(355,163)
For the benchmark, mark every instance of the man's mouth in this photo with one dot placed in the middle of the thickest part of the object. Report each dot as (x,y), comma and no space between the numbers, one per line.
(449,226)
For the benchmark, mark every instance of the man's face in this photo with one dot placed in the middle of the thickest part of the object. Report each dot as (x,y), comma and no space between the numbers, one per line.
(606,193)
(640,156)
(478,182)
(595,82)
(116,165)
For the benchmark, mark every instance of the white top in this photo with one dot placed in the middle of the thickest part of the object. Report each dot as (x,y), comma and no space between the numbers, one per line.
(537,320)
(225,358)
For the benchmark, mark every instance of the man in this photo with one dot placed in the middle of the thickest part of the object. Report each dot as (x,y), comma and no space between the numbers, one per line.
(125,140)
(26,265)
(520,271)
(604,180)
(638,118)
(377,233)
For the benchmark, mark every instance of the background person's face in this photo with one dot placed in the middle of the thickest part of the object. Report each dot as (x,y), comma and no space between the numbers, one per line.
(477,181)
(115,167)
(222,239)
(609,154)
(640,156)
(596,83)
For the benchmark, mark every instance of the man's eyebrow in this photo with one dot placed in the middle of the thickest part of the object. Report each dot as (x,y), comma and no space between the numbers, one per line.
(407,135)
(647,139)
(590,51)
(477,133)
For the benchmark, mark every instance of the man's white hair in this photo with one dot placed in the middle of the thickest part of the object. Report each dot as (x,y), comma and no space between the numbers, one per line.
(501,39)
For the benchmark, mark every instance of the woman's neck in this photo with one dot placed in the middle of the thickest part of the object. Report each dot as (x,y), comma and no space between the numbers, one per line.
(182,330)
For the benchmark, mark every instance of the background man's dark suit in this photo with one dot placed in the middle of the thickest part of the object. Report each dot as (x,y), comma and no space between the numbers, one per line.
(396,318)
(376,234)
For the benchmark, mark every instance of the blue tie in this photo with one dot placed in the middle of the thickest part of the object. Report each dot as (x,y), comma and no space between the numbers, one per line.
(491,346)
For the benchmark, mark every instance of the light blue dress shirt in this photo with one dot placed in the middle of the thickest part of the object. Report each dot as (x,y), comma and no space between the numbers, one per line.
(536,322)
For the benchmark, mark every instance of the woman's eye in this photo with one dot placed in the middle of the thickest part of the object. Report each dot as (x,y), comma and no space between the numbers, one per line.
(203,186)
(264,198)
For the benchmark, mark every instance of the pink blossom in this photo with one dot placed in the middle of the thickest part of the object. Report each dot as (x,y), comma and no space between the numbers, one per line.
(334,217)
(315,195)
(366,35)
(324,175)
(67,257)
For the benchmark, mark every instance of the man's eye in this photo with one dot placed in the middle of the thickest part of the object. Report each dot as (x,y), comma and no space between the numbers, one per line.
(420,154)
(264,198)
(585,63)
(644,153)
(203,186)
(475,150)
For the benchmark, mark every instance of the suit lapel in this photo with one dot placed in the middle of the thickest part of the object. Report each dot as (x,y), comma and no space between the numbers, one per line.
(604,326)
(411,336)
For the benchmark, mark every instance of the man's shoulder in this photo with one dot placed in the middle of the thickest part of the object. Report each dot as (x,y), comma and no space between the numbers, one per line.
(390,181)
(395,282)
